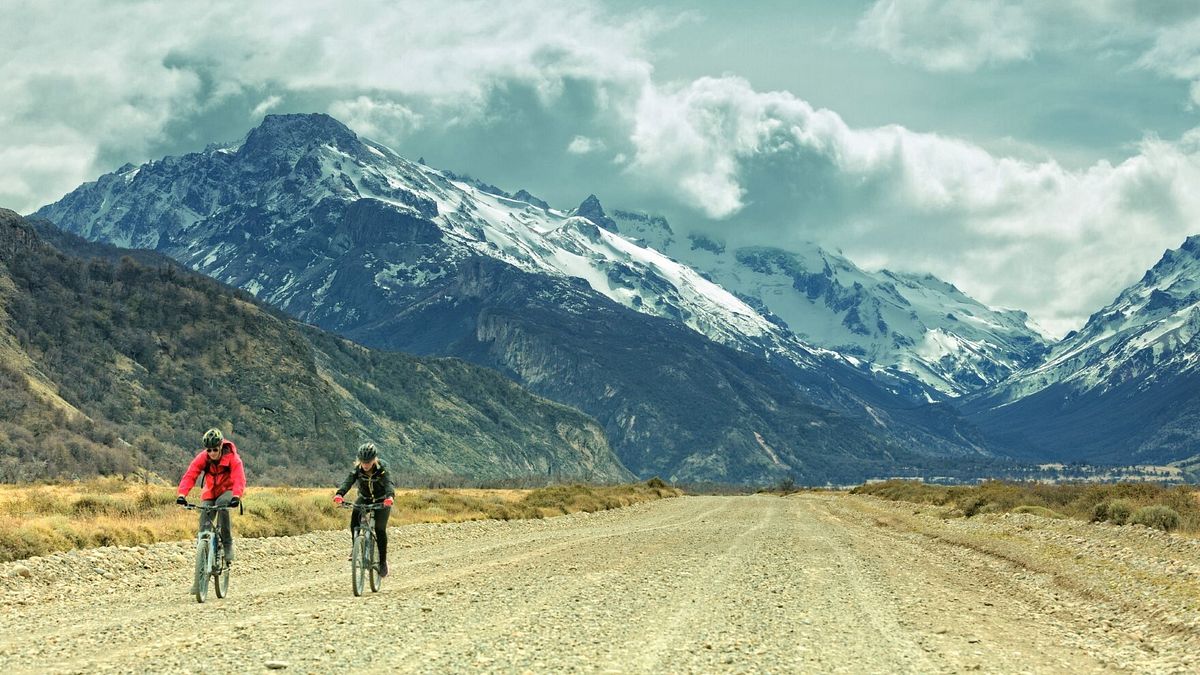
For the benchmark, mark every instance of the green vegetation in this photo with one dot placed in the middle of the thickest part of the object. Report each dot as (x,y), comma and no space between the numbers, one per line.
(1149,504)
(1157,516)
(42,519)
(1119,511)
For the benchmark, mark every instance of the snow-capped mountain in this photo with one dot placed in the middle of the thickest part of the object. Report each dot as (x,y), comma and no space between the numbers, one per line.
(346,234)
(1125,387)
(918,326)
(203,209)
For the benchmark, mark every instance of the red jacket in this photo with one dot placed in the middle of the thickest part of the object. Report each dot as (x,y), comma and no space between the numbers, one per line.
(219,477)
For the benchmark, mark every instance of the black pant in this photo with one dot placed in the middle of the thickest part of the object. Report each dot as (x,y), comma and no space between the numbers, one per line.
(223,529)
(381,518)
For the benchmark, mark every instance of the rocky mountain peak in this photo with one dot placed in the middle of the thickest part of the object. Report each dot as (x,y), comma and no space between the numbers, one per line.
(290,134)
(1192,245)
(593,211)
(1178,263)
(528,198)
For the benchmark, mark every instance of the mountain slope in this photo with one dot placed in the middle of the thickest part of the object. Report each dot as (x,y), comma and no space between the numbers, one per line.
(917,327)
(109,367)
(347,235)
(1123,389)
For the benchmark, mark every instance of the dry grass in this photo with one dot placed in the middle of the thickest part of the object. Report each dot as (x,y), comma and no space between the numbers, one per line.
(1085,501)
(41,519)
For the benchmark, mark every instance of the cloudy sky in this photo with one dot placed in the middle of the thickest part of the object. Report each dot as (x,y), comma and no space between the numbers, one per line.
(1040,155)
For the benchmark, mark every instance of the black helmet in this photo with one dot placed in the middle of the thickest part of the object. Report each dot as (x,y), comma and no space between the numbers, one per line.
(367,452)
(213,438)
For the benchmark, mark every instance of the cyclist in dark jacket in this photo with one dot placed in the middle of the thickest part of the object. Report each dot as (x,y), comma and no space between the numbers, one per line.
(374,487)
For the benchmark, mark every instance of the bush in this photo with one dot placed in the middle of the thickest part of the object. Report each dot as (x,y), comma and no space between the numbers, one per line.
(906,491)
(1157,516)
(1100,512)
(1119,511)
(973,506)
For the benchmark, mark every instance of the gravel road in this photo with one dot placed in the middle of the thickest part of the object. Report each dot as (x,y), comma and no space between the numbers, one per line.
(809,583)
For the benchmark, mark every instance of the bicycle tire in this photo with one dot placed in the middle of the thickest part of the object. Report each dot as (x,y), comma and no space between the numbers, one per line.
(220,576)
(357,568)
(202,569)
(372,565)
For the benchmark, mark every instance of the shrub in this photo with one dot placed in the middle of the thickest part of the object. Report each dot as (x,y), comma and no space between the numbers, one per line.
(786,486)
(973,505)
(907,491)
(1119,511)
(1100,512)
(1157,516)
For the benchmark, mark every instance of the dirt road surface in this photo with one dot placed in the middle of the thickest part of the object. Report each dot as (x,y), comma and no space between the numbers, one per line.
(809,583)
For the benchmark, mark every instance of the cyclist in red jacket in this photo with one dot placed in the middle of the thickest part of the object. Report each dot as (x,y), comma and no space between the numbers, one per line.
(224,483)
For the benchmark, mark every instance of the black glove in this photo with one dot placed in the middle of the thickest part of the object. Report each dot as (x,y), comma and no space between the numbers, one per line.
(235,502)
(181,500)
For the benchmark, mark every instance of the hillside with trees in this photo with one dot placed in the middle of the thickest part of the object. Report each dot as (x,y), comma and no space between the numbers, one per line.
(111,364)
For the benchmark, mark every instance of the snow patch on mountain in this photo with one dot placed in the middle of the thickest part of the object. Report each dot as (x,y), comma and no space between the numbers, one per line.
(1149,330)
(916,325)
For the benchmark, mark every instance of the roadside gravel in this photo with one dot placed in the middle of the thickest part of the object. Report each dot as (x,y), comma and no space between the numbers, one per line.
(809,583)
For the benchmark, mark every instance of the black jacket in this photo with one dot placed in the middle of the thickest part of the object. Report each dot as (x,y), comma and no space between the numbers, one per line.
(373,487)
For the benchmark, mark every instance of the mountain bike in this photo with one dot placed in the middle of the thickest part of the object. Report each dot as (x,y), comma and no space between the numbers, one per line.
(363,566)
(210,557)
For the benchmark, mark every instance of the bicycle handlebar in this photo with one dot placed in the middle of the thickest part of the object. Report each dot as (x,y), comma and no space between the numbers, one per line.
(201,507)
(363,507)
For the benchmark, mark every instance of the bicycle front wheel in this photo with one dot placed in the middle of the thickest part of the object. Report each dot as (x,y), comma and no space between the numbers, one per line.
(220,577)
(358,564)
(203,565)
(372,565)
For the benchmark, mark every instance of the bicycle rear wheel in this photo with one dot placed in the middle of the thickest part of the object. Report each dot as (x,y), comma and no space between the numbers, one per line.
(358,567)
(202,569)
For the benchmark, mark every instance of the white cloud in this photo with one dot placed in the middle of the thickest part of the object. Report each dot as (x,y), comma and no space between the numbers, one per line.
(266,106)
(384,121)
(110,76)
(71,92)
(1176,52)
(1033,235)
(582,145)
(966,35)
(953,35)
